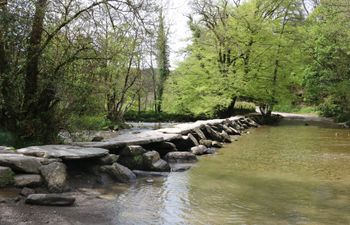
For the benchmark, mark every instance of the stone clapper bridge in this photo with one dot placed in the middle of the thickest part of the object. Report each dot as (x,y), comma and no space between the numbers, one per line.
(54,168)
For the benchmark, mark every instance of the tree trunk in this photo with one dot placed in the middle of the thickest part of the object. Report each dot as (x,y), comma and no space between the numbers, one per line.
(33,54)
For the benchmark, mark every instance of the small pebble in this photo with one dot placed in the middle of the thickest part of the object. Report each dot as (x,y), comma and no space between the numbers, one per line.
(149,180)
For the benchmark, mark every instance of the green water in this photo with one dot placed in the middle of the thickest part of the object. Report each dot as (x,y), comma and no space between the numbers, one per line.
(288,174)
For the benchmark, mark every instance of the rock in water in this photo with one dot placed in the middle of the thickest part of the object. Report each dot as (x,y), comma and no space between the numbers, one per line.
(217,144)
(20,163)
(119,173)
(226,137)
(6,176)
(132,157)
(150,157)
(199,150)
(28,180)
(185,143)
(55,175)
(206,143)
(161,147)
(198,134)
(181,157)
(211,133)
(50,200)
(153,162)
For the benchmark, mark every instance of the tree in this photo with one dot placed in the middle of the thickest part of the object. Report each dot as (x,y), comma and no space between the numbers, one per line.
(327,72)
(162,57)
(49,47)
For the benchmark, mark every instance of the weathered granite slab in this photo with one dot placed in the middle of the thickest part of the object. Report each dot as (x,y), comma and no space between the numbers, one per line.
(142,138)
(63,152)
(21,163)
(185,128)
(148,137)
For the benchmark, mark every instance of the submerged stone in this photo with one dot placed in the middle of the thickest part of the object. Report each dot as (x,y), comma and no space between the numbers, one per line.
(119,173)
(50,200)
(180,157)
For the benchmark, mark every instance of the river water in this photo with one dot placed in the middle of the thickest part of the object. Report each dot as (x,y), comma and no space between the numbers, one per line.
(286,174)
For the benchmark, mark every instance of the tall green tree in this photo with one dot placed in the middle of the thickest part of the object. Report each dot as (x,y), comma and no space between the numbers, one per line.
(162,58)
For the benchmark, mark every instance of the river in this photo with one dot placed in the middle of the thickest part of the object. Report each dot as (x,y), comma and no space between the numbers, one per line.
(286,174)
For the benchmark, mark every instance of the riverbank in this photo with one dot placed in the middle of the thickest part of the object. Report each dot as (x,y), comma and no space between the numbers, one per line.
(78,170)
(143,199)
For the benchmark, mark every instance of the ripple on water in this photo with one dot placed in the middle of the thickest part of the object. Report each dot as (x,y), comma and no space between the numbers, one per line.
(276,175)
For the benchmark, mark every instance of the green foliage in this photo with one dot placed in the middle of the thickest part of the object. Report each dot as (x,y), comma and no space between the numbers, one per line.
(151,116)
(88,122)
(244,55)
(6,178)
(327,74)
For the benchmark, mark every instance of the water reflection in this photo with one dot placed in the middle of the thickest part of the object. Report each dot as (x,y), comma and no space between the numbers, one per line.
(276,175)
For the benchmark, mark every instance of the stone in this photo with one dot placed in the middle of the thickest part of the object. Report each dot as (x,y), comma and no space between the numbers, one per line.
(55,176)
(153,162)
(28,180)
(161,147)
(229,130)
(142,173)
(217,127)
(119,173)
(211,134)
(226,137)
(216,144)
(131,162)
(198,134)
(6,176)
(108,159)
(132,157)
(7,150)
(206,143)
(210,151)
(161,165)
(151,157)
(63,151)
(132,150)
(180,167)
(97,139)
(142,138)
(27,191)
(199,150)
(46,161)
(180,157)
(149,181)
(251,122)
(50,200)
(185,143)
(20,163)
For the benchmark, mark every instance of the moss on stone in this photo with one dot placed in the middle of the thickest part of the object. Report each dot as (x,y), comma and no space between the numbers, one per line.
(6,176)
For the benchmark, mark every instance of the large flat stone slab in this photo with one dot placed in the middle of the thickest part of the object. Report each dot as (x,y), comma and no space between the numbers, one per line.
(21,163)
(63,152)
(142,138)
(185,128)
